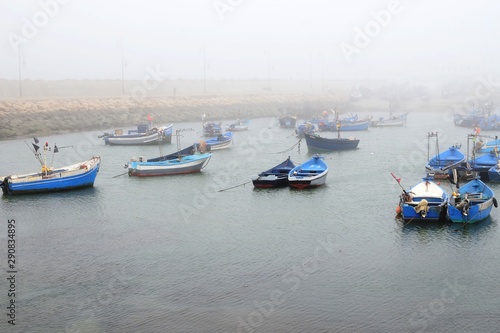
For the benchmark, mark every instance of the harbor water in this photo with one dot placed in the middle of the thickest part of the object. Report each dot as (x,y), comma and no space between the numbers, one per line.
(197,253)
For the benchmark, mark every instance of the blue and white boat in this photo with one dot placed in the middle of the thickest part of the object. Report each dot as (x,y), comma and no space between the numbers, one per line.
(306,127)
(487,147)
(239,125)
(351,123)
(426,201)
(143,135)
(158,167)
(70,177)
(443,163)
(471,203)
(211,128)
(482,164)
(494,173)
(311,173)
(221,141)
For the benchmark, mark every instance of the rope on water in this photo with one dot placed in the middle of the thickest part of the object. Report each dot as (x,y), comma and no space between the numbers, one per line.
(284,151)
(228,188)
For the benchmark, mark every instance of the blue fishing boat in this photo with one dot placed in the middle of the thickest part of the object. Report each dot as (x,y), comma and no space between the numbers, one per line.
(443,163)
(51,179)
(275,177)
(287,121)
(471,202)
(221,141)
(211,128)
(183,165)
(494,173)
(482,164)
(481,147)
(346,124)
(426,201)
(480,116)
(316,142)
(311,173)
(184,161)
(307,127)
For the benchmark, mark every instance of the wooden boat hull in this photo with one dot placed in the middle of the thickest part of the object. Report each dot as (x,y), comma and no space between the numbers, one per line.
(442,163)
(311,173)
(218,142)
(211,129)
(184,165)
(315,142)
(427,202)
(473,203)
(271,181)
(162,136)
(72,177)
(287,121)
(494,174)
(483,164)
(361,125)
(275,177)
(394,121)
(388,123)
(238,126)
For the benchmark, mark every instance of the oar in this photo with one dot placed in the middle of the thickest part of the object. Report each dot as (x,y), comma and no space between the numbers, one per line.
(234,186)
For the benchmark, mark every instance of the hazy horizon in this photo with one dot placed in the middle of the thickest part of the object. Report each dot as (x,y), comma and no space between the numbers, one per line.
(241,40)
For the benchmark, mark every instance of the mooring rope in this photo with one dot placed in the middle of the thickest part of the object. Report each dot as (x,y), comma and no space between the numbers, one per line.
(284,151)
(228,188)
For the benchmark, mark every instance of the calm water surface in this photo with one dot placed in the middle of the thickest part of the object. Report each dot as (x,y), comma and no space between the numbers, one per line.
(175,254)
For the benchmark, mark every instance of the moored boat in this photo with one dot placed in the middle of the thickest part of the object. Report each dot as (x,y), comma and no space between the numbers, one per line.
(306,127)
(392,121)
(211,128)
(494,173)
(316,142)
(311,173)
(471,202)
(158,167)
(143,135)
(425,201)
(482,164)
(184,161)
(51,179)
(352,123)
(221,141)
(443,163)
(275,177)
(238,125)
(287,121)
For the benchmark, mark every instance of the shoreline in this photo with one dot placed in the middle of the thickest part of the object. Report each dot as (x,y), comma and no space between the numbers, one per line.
(39,117)
(19,118)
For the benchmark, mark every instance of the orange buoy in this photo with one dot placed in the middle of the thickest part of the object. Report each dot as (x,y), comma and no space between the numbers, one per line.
(398,210)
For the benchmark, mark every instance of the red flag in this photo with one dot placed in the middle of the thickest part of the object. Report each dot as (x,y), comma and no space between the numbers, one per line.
(397,179)
(150,118)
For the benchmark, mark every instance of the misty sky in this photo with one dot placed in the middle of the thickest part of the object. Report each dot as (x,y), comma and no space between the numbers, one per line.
(246,39)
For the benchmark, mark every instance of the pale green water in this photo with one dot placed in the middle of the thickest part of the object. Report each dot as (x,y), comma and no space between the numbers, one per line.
(172,254)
